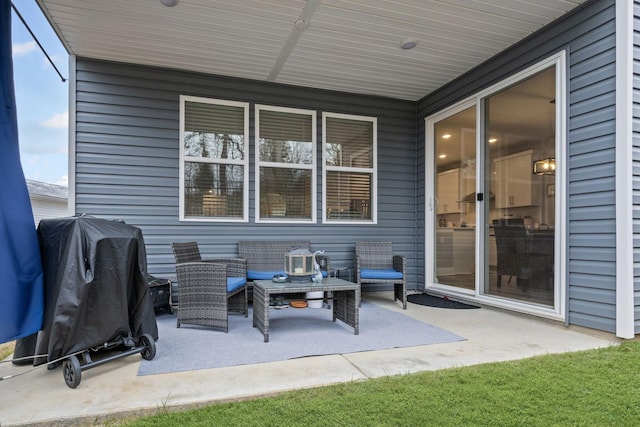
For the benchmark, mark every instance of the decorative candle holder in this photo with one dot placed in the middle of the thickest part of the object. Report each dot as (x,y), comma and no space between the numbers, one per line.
(298,264)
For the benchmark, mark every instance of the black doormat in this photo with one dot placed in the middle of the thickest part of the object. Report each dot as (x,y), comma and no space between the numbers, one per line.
(433,301)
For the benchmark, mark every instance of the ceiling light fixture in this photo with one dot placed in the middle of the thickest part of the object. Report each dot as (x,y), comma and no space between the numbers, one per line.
(446,136)
(302,24)
(408,44)
(493,140)
(544,167)
(442,156)
(169,3)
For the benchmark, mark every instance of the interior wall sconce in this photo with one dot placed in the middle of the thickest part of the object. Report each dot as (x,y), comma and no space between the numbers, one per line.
(544,167)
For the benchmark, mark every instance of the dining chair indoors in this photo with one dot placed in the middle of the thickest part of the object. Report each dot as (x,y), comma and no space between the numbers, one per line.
(517,257)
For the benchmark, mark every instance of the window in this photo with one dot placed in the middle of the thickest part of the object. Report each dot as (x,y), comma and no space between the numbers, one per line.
(213,161)
(285,164)
(349,174)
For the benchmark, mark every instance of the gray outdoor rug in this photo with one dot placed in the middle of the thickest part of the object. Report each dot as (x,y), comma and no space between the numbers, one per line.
(293,333)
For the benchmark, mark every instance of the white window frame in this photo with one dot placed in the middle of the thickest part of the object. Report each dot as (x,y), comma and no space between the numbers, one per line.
(243,162)
(372,170)
(259,164)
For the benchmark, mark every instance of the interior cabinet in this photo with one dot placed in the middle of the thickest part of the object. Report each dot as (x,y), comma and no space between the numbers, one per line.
(464,246)
(444,251)
(513,180)
(448,191)
(455,251)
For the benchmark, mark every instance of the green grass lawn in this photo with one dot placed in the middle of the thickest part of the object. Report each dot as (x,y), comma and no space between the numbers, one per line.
(591,388)
(6,349)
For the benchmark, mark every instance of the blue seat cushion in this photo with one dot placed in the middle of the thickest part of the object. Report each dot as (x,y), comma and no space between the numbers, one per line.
(324,274)
(263,275)
(371,273)
(234,283)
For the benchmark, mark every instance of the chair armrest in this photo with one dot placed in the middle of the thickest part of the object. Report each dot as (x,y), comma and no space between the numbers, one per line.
(236,267)
(399,263)
(201,284)
(194,271)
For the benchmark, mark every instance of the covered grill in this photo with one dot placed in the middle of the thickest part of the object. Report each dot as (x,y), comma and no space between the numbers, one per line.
(96,294)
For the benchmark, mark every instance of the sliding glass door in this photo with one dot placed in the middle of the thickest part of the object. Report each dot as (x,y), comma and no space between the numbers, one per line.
(520,123)
(455,189)
(492,217)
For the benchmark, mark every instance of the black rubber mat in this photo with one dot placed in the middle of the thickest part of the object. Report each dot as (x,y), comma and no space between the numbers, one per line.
(433,301)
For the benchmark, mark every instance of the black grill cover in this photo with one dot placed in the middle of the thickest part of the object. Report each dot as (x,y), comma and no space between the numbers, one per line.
(95,287)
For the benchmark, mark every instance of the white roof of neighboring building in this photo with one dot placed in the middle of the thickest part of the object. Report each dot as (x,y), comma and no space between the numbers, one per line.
(46,189)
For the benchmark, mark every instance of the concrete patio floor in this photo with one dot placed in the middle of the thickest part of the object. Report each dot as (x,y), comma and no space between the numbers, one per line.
(113,390)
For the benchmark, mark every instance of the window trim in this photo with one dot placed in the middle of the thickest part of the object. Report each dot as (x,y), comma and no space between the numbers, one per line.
(244,162)
(258,164)
(373,170)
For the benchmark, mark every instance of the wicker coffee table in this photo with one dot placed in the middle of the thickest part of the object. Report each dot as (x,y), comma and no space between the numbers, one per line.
(346,300)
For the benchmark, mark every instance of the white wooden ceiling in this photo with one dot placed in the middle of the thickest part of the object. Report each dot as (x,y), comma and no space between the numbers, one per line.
(349,45)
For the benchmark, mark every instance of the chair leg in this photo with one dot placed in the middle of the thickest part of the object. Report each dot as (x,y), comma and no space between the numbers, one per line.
(499,280)
(399,293)
(246,302)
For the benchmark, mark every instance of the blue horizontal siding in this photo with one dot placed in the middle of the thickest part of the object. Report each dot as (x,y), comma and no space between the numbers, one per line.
(127,161)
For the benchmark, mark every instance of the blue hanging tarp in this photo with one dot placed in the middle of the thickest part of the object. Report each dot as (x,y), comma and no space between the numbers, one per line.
(21,288)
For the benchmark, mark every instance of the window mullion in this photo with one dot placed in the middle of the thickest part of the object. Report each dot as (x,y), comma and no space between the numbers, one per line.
(349,169)
(214,161)
(285,165)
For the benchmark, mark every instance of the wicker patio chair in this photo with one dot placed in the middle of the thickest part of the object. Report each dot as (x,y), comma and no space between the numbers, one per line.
(235,278)
(376,263)
(186,252)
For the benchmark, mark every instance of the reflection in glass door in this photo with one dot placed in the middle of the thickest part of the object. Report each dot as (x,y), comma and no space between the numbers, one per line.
(520,131)
(455,186)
